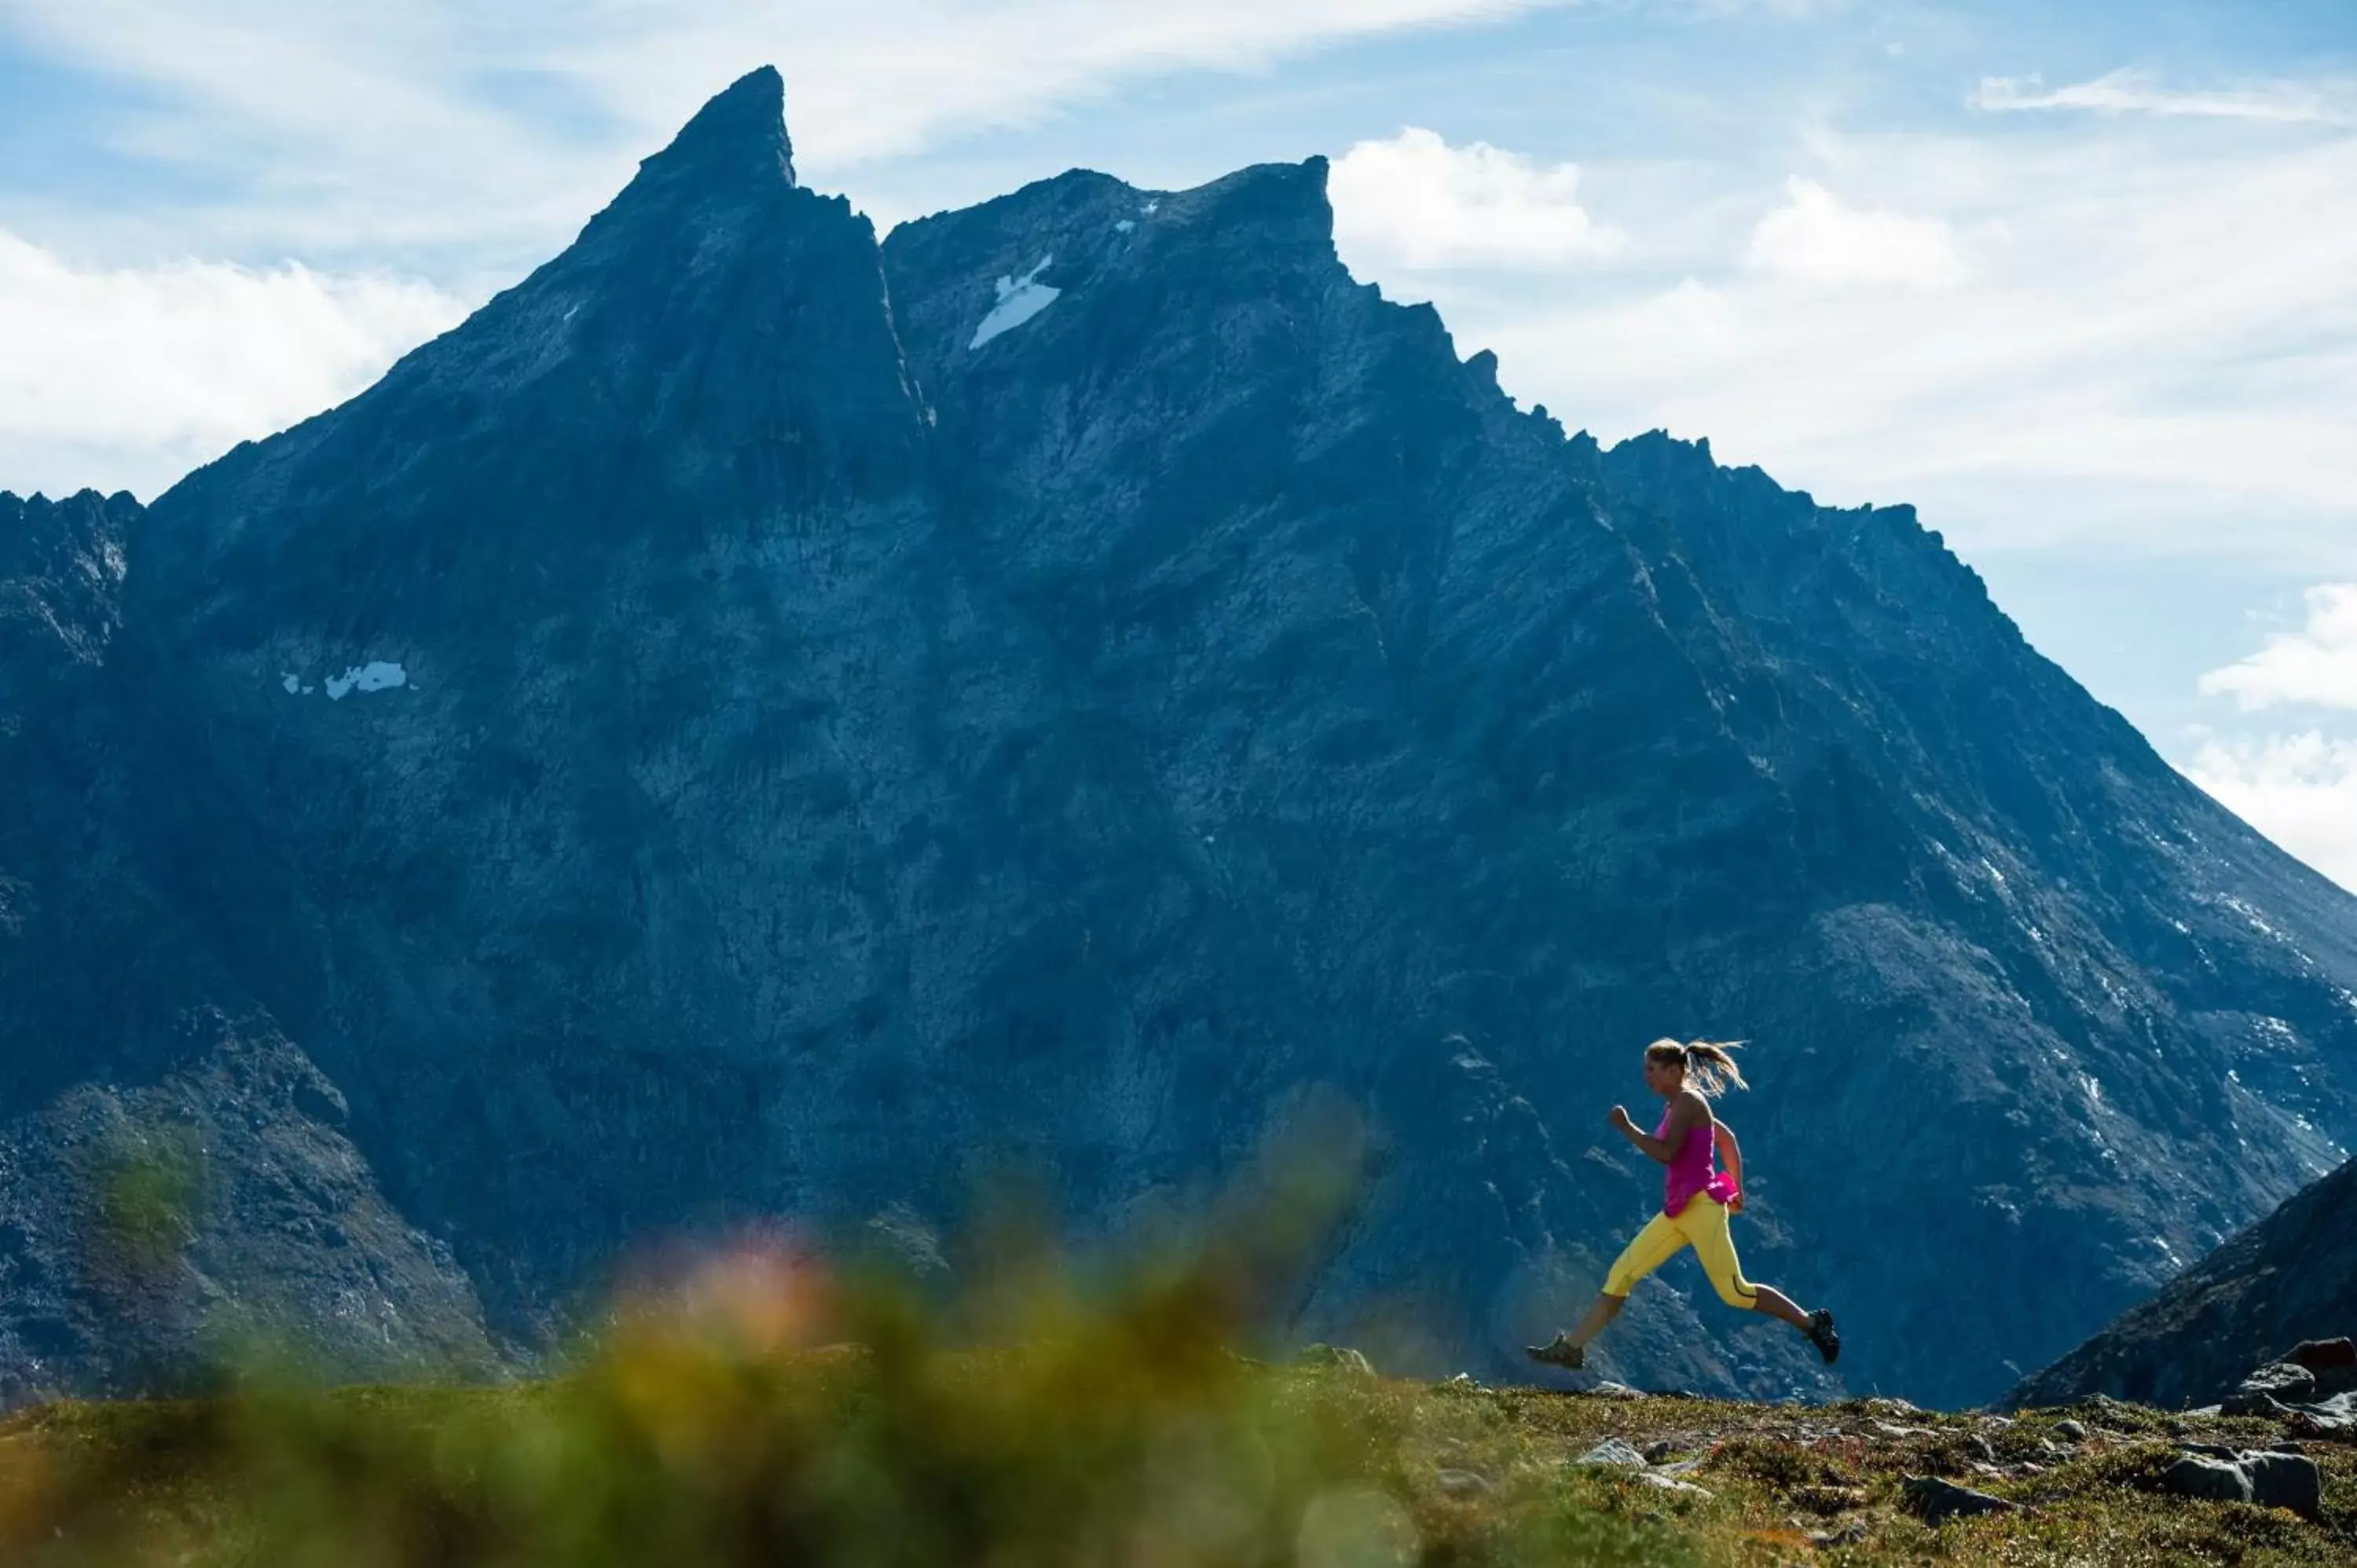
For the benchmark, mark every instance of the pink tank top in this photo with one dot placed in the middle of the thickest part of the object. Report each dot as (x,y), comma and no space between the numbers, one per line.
(1692,1170)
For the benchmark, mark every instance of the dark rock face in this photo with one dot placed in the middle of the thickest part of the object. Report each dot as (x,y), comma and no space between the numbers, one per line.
(145,1232)
(2290,1278)
(759,722)
(61,567)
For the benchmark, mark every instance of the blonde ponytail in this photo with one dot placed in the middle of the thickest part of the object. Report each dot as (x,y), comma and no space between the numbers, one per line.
(1709,1064)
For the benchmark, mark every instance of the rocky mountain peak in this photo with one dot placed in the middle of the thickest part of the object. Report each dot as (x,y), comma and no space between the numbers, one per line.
(715,312)
(1284,203)
(739,134)
(62,565)
(727,178)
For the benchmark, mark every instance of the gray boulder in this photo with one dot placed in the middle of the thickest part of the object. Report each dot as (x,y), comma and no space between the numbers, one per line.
(2253,1401)
(1615,1452)
(1937,1501)
(2201,1476)
(2334,1362)
(2291,1481)
(2318,1355)
(2285,1381)
(2334,1417)
(1660,1482)
(2268,1478)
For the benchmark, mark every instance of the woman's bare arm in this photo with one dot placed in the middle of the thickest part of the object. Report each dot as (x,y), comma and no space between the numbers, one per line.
(1689,1110)
(1730,1154)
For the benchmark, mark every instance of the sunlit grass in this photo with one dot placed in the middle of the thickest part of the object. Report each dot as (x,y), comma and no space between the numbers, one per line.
(759,1405)
(1088,1446)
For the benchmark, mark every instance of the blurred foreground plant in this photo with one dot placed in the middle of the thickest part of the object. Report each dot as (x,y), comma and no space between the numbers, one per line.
(758,1407)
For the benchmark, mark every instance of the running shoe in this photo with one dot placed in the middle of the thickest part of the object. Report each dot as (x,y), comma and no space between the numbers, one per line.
(1558,1351)
(1825,1335)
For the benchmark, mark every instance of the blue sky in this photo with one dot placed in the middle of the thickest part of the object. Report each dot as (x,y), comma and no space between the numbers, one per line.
(2079,280)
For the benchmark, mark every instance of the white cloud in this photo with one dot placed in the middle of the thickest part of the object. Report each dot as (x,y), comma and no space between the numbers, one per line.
(2316,666)
(2130,92)
(337,127)
(2298,789)
(128,377)
(883,79)
(2153,347)
(383,124)
(1815,239)
(1415,202)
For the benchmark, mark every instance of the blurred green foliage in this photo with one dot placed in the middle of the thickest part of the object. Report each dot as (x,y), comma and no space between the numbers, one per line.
(759,1406)
(753,1403)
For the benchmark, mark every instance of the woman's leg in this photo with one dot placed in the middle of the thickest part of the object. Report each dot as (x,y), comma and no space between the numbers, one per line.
(1601,1311)
(1703,1223)
(1776,1304)
(1656,1244)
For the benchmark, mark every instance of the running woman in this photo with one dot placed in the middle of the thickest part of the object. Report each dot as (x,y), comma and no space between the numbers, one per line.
(1696,1199)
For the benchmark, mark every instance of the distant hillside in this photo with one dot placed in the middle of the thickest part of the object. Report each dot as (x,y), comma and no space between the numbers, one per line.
(2292,1276)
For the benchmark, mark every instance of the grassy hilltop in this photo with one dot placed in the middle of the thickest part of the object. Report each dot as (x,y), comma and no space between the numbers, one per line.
(755,1405)
(1121,1438)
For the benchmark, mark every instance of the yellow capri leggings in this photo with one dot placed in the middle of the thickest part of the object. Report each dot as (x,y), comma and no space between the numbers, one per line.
(1702,1226)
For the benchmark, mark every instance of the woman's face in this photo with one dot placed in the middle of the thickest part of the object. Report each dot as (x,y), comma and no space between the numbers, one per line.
(1664,1077)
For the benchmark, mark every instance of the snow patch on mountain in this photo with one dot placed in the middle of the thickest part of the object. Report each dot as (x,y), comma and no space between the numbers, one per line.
(1019,301)
(376,675)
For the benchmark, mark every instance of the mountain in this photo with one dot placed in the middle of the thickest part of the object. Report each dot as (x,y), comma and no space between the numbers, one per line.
(760,721)
(118,1080)
(2291,1277)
